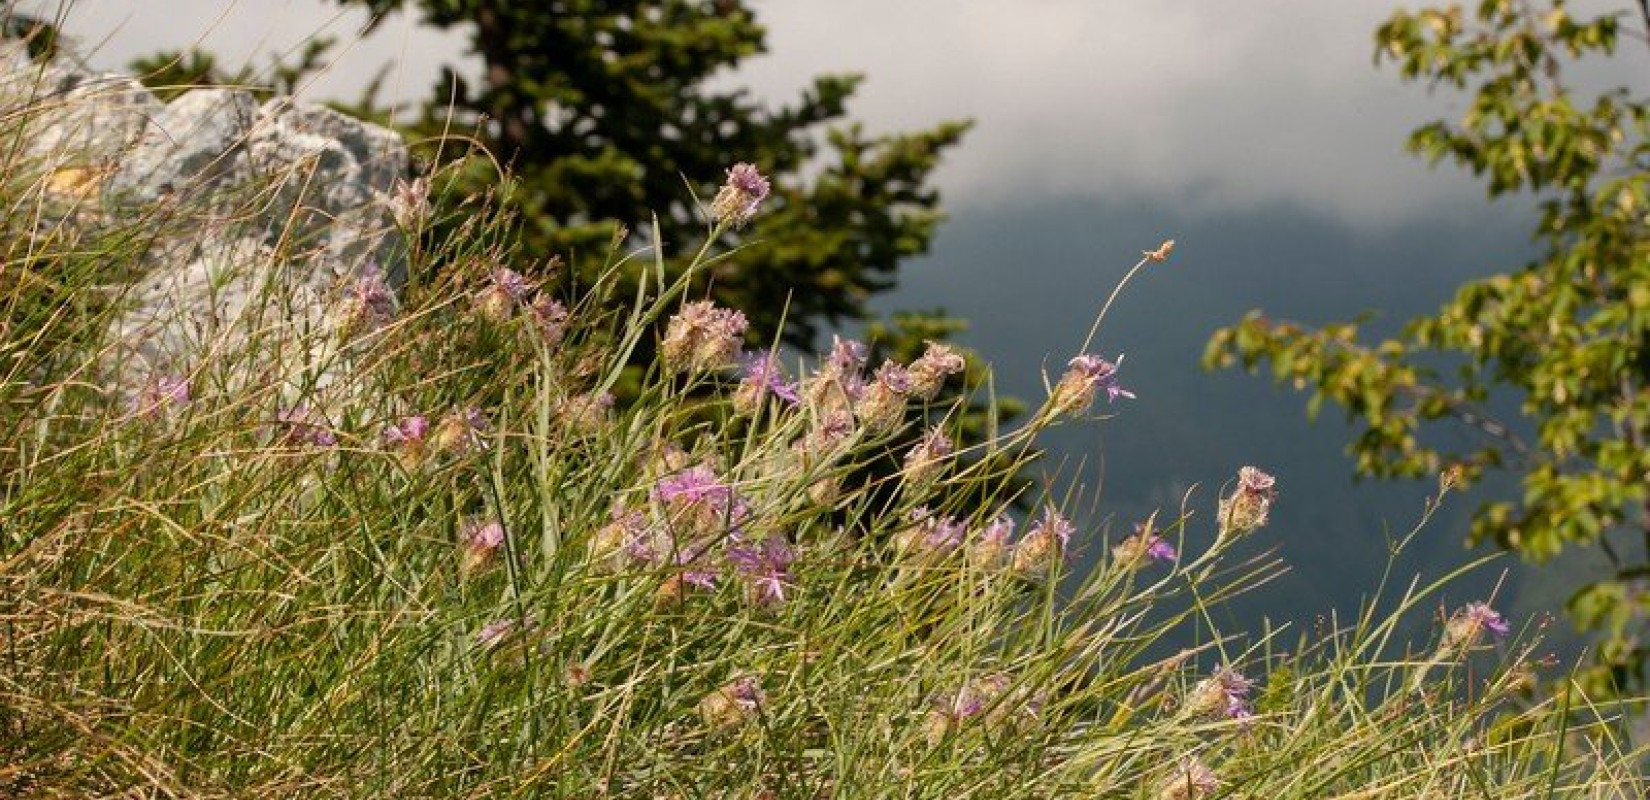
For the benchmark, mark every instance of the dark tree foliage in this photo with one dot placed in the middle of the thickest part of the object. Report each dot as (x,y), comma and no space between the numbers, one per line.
(603,114)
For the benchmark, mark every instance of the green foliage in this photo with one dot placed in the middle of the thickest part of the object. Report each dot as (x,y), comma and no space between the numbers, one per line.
(601,110)
(171,73)
(200,597)
(1567,337)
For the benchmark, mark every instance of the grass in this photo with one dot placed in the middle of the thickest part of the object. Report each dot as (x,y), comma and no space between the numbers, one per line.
(423,555)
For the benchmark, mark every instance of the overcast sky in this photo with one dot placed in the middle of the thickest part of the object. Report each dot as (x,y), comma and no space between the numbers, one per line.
(1211,106)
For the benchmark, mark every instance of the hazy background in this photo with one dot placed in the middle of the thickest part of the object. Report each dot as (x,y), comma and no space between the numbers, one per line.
(1259,135)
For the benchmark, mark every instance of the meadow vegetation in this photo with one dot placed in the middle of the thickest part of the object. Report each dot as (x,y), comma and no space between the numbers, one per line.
(467,547)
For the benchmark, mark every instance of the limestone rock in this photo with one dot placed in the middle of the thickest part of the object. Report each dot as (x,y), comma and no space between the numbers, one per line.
(254,208)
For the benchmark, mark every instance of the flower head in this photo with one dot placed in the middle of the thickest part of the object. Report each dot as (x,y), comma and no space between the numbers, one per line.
(1144,545)
(409,202)
(764,377)
(1248,507)
(369,303)
(1466,627)
(766,567)
(1225,693)
(300,425)
(461,432)
(1045,545)
(550,317)
(929,371)
(159,397)
(733,704)
(702,337)
(587,413)
(1191,779)
(881,405)
(744,190)
(837,384)
(506,289)
(926,457)
(480,540)
(927,534)
(700,504)
(1086,376)
(990,550)
(407,431)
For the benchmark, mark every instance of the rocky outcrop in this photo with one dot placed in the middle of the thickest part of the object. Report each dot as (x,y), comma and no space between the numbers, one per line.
(247,201)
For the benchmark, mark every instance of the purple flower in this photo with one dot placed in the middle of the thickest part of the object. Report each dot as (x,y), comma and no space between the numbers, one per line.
(925,458)
(738,198)
(847,357)
(1489,618)
(999,531)
(927,532)
(1249,506)
(300,427)
(928,373)
(1143,545)
(881,405)
(1466,627)
(763,376)
(1224,693)
(766,566)
(551,318)
(480,540)
(492,634)
(1086,376)
(511,283)
(1255,482)
(702,337)
(371,300)
(695,569)
(692,485)
(487,535)
(409,430)
(1044,546)
(159,396)
(1056,525)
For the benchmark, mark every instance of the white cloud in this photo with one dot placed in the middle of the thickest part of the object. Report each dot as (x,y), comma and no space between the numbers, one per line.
(1202,104)
(110,33)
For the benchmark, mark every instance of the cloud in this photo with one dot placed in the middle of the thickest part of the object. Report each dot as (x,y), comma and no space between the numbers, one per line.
(110,33)
(1200,104)
(1207,106)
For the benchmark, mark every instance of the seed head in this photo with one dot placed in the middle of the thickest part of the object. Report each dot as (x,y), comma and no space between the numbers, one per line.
(926,457)
(928,372)
(1466,627)
(1225,693)
(1086,376)
(764,378)
(703,337)
(733,704)
(409,202)
(881,406)
(736,201)
(1191,779)
(1044,546)
(1248,507)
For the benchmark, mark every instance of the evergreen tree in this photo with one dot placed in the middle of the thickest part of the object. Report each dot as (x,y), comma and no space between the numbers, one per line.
(603,113)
